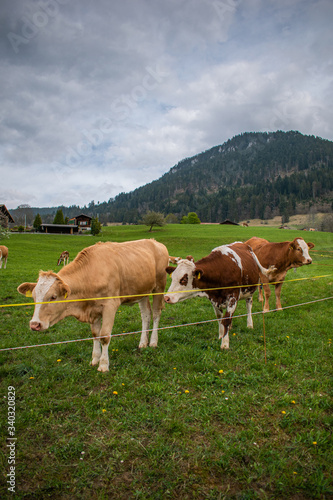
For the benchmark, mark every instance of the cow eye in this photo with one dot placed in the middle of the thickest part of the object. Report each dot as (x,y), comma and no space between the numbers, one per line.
(184,280)
(54,297)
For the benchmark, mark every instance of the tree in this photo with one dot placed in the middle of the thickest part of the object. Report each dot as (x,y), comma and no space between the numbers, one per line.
(152,219)
(190,218)
(37,222)
(59,217)
(95,226)
(4,233)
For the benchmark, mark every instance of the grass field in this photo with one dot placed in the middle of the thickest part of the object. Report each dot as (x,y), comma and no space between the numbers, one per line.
(185,420)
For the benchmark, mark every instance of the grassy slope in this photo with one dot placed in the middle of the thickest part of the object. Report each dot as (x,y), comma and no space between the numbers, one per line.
(245,433)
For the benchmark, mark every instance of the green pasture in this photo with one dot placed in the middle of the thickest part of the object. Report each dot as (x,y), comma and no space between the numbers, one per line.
(185,420)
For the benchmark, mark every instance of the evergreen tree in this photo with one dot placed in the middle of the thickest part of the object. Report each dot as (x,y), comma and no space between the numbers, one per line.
(37,222)
(59,217)
(95,226)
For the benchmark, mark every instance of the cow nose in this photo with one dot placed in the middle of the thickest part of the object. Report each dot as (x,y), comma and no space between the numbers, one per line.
(35,326)
(309,261)
(167,299)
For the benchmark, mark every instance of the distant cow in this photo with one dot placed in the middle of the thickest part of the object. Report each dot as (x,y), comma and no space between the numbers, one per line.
(284,256)
(121,273)
(64,257)
(229,273)
(3,256)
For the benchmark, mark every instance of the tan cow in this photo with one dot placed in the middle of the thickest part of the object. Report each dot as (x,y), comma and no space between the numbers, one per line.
(127,272)
(284,256)
(3,256)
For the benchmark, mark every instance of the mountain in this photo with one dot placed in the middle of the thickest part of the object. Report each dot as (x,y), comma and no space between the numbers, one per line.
(252,175)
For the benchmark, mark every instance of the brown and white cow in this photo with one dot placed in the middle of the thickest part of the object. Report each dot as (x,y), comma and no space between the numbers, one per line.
(64,257)
(3,256)
(284,256)
(127,272)
(229,273)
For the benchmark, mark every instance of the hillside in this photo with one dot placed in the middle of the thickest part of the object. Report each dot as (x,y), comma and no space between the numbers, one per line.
(252,176)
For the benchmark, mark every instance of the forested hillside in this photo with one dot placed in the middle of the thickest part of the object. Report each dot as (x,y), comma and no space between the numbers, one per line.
(253,175)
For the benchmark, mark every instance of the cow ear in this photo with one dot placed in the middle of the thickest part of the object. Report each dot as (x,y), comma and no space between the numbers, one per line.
(198,273)
(64,289)
(170,269)
(310,245)
(190,258)
(293,244)
(26,289)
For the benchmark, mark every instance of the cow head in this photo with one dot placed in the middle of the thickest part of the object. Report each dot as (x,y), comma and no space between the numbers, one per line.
(183,276)
(49,288)
(299,252)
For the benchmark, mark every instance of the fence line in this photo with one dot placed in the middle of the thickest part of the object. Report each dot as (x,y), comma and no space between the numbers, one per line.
(27,304)
(161,328)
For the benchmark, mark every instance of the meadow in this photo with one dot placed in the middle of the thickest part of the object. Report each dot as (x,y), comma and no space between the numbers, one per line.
(185,420)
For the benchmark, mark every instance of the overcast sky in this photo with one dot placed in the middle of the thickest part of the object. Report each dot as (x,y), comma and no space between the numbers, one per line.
(101,97)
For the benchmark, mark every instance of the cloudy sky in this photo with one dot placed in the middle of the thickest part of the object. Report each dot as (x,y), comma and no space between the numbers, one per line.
(97,98)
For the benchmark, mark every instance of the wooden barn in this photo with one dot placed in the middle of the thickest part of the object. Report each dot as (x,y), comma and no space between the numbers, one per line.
(229,222)
(59,228)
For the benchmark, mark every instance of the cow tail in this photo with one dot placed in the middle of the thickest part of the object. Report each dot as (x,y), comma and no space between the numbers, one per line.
(263,270)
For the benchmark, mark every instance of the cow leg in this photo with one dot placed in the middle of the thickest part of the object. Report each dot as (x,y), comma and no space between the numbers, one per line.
(219,315)
(278,287)
(227,322)
(97,351)
(109,314)
(249,312)
(145,309)
(267,293)
(158,304)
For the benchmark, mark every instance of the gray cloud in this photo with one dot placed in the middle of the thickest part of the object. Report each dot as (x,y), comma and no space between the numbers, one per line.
(99,98)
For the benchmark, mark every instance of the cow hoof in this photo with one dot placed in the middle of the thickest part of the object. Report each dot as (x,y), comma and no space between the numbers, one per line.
(103,369)
(142,346)
(153,345)
(224,347)
(94,362)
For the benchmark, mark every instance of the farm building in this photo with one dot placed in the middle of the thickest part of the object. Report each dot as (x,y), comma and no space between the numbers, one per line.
(5,217)
(229,222)
(59,228)
(82,221)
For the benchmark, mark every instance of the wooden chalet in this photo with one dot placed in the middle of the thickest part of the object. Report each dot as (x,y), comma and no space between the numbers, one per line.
(5,217)
(82,221)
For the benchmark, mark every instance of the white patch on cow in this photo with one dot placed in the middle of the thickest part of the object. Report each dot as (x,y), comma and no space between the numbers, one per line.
(43,286)
(305,249)
(226,250)
(178,292)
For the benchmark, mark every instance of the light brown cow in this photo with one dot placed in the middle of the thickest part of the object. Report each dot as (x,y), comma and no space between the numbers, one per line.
(127,272)
(64,258)
(3,256)
(284,256)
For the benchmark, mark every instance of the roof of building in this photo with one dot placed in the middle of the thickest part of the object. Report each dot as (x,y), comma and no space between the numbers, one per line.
(4,210)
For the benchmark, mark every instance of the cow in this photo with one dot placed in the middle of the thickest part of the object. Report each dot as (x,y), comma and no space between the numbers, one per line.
(64,257)
(115,273)
(3,256)
(229,273)
(284,256)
